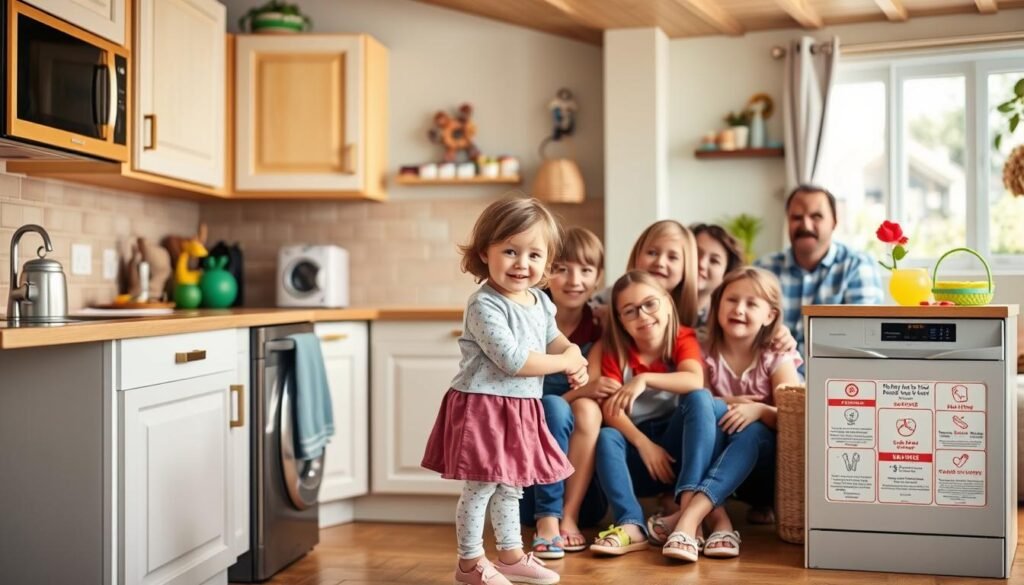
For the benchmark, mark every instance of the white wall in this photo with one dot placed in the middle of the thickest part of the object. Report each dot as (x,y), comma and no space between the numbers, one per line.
(713,75)
(440,58)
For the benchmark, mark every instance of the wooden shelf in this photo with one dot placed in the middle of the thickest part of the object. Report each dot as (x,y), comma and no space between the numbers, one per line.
(414,180)
(742,153)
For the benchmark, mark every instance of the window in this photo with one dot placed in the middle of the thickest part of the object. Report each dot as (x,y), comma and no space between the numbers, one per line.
(912,139)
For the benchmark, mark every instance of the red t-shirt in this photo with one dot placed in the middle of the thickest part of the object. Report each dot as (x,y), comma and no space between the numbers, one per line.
(588,331)
(687,348)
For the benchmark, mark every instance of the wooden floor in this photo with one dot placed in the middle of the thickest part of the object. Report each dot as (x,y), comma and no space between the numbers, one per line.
(387,554)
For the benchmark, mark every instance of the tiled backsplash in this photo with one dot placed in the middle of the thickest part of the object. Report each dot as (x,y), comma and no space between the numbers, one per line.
(401,252)
(81,215)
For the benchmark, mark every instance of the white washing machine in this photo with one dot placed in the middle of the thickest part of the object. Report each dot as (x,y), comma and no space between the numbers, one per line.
(312,276)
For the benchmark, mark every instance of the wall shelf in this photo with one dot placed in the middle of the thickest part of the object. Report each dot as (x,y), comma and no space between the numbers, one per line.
(414,180)
(741,153)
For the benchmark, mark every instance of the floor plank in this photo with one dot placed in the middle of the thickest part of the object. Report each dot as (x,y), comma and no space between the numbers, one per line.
(403,554)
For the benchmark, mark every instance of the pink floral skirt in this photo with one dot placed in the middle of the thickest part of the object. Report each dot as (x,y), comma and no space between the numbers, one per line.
(483,437)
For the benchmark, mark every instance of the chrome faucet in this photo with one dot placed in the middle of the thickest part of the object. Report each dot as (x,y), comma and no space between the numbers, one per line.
(44,290)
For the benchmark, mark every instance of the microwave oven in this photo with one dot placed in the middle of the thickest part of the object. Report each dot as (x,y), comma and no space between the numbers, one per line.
(66,90)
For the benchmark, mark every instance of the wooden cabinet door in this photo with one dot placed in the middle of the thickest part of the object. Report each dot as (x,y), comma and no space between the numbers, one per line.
(176,481)
(346,356)
(105,18)
(299,123)
(180,83)
(240,412)
(413,366)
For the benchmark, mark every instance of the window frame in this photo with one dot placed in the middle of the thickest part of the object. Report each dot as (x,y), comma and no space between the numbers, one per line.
(975,66)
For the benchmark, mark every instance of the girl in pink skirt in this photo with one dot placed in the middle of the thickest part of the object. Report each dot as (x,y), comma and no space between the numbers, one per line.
(490,431)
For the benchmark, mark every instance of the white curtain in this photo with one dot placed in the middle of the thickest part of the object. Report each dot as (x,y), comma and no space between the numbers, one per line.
(810,74)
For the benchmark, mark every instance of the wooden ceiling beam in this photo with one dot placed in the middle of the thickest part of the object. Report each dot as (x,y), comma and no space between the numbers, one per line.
(802,12)
(987,6)
(894,10)
(577,12)
(711,12)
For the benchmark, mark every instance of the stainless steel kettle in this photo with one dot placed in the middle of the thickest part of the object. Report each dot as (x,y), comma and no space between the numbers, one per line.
(40,293)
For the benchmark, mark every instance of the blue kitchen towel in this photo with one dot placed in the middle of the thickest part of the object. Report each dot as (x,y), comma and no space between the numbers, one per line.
(314,419)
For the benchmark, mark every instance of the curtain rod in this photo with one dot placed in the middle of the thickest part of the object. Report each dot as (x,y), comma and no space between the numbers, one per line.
(779,52)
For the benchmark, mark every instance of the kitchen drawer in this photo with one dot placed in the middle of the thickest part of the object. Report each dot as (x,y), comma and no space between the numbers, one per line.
(155,360)
(418,331)
(342,338)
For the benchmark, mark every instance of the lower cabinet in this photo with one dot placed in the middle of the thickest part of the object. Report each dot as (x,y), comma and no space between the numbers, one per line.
(413,366)
(345,347)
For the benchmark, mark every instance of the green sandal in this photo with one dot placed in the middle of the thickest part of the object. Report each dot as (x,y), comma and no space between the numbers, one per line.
(621,542)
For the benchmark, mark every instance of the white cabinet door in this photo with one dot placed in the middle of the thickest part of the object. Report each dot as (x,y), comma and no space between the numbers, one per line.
(105,18)
(413,366)
(175,468)
(180,77)
(240,442)
(346,356)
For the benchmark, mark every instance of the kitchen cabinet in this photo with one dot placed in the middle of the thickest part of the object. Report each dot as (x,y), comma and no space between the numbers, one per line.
(413,366)
(241,416)
(345,347)
(180,84)
(177,457)
(311,116)
(106,18)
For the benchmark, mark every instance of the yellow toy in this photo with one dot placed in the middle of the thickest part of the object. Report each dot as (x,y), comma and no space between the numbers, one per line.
(183,274)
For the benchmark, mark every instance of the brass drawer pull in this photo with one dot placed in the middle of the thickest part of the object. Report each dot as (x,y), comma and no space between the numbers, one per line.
(239,391)
(184,357)
(456,332)
(333,337)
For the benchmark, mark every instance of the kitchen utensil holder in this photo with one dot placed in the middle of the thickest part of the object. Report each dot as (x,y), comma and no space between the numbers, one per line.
(963,293)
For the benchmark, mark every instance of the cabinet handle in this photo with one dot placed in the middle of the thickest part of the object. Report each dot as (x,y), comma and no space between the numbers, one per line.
(184,357)
(348,159)
(456,332)
(239,391)
(151,118)
(334,337)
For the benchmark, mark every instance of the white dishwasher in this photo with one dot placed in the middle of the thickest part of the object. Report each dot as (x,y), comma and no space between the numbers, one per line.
(911,439)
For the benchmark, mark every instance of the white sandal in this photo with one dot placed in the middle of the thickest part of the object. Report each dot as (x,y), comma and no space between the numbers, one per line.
(731,548)
(680,552)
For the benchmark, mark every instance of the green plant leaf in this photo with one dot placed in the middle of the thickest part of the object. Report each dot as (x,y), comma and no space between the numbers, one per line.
(1019,88)
(1013,122)
(997,141)
(1007,107)
(899,252)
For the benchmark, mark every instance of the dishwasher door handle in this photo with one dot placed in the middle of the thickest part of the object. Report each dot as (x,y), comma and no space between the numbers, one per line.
(994,353)
(835,351)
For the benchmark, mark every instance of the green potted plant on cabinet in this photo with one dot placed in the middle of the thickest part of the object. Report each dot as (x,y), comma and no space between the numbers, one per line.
(276,16)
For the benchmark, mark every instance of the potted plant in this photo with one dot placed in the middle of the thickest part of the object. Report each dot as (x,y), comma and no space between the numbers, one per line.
(739,125)
(275,16)
(745,227)
(1013,170)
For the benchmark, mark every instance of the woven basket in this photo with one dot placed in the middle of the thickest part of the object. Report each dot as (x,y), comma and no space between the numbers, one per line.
(558,179)
(1013,172)
(977,292)
(789,463)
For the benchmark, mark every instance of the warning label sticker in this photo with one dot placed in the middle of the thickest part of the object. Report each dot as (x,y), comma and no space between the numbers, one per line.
(851,413)
(851,475)
(960,478)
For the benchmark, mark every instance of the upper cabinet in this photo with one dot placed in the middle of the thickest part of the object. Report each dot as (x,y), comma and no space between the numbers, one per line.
(105,18)
(311,116)
(180,85)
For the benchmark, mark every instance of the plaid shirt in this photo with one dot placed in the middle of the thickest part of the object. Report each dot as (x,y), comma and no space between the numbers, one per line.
(843,277)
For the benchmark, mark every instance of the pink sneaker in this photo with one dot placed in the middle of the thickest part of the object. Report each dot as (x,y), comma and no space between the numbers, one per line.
(529,569)
(483,573)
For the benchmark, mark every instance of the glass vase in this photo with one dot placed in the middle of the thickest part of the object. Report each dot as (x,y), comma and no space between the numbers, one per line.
(910,286)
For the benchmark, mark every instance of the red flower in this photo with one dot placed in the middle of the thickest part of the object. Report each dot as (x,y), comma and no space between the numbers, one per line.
(903,241)
(889,232)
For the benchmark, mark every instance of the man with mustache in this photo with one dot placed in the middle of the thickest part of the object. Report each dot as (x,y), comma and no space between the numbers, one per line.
(814,270)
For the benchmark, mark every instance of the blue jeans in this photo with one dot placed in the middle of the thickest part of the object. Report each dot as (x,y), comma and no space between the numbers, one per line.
(542,501)
(717,466)
(621,471)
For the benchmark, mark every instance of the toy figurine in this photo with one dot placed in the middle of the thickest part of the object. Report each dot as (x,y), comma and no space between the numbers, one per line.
(563,113)
(455,134)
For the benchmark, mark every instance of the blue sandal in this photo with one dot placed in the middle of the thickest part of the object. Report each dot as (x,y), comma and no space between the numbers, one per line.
(547,549)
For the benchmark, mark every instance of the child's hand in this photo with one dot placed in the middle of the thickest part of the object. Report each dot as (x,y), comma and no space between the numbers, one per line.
(783,340)
(603,388)
(574,360)
(657,460)
(739,416)
(626,395)
(579,379)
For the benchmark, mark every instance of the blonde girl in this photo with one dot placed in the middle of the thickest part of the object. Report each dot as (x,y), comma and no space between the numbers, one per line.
(742,369)
(652,363)
(490,429)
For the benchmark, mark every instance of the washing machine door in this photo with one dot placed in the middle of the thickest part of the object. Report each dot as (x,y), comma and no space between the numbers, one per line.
(303,277)
(302,477)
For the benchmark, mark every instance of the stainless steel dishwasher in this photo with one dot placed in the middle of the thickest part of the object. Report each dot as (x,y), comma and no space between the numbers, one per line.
(911,440)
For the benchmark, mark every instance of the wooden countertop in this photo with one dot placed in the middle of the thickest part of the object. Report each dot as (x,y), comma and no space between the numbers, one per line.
(896,311)
(101,329)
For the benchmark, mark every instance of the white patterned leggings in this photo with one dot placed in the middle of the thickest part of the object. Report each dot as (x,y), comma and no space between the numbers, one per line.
(472,510)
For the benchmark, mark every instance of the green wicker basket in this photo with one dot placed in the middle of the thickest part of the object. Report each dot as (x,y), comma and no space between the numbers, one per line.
(971,292)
